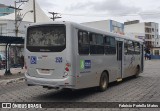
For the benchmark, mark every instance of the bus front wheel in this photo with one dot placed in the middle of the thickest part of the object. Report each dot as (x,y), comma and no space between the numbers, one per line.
(103,82)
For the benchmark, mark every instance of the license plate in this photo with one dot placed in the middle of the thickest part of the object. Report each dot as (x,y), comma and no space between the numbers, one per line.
(45,71)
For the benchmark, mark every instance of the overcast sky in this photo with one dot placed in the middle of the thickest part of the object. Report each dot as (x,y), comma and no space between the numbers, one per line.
(94,10)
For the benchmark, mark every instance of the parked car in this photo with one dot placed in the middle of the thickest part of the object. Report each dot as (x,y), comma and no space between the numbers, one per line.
(2,61)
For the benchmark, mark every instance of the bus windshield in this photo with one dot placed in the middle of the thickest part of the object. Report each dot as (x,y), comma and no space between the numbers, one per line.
(46,38)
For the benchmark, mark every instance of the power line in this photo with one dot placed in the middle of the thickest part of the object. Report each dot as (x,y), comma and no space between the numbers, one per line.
(104,15)
(55,15)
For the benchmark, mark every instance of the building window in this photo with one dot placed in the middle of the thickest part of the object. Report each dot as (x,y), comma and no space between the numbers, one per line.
(156,52)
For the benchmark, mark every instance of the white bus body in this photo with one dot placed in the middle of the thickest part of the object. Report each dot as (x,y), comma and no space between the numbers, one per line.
(70,55)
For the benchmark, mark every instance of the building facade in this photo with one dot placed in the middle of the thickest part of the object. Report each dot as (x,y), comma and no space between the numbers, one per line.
(4,10)
(150,30)
(9,27)
(107,25)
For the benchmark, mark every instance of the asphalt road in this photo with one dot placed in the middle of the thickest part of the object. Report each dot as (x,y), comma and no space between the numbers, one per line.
(145,88)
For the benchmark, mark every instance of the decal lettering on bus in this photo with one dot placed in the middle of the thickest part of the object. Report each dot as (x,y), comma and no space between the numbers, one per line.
(33,60)
(59,59)
(132,60)
(85,64)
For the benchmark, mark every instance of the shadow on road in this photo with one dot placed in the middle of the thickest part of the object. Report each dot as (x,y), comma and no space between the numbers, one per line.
(124,81)
(75,95)
(68,95)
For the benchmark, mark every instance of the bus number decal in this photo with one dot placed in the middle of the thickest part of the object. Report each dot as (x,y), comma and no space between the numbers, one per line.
(59,60)
(33,60)
(85,64)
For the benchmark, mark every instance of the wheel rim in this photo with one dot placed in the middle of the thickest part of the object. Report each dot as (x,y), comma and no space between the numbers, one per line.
(104,82)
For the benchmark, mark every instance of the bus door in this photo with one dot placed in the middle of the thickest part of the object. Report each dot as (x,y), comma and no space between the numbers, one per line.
(119,58)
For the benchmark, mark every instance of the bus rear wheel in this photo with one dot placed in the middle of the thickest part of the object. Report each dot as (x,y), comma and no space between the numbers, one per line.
(103,82)
(137,71)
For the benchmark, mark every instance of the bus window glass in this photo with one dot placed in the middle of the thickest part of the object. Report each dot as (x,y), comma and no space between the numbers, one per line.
(137,47)
(130,47)
(46,38)
(83,42)
(113,45)
(96,44)
(99,40)
(125,47)
(100,44)
(110,47)
(112,42)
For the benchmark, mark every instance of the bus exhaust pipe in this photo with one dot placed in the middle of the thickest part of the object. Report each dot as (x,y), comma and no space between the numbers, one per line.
(47,87)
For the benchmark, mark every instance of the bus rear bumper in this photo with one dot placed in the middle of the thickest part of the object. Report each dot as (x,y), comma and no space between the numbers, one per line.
(54,83)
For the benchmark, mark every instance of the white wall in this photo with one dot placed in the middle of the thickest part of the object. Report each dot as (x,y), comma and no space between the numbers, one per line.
(9,29)
(101,25)
(21,28)
(136,35)
(134,28)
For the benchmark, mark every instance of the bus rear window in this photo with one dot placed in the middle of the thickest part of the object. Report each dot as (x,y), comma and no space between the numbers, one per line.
(46,38)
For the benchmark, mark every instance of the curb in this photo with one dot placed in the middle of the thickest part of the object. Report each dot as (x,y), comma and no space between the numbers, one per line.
(17,80)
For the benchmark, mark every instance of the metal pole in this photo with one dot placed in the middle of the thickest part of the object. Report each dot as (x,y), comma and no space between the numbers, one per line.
(6,59)
(34,9)
(7,72)
(1,30)
(16,31)
(16,28)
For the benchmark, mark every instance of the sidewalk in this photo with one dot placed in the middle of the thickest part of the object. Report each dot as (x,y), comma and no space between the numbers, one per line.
(17,75)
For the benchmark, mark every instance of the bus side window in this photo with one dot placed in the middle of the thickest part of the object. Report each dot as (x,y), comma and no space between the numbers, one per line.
(130,47)
(125,47)
(100,44)
(107,45)
(113,45)
(110,45)
(96,43)
(83,42)
(137,48)
(92,37)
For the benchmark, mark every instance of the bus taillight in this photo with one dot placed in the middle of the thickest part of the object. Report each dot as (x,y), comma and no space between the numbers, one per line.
(67,67)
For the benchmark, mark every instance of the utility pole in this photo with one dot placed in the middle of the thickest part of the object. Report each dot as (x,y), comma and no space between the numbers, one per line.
(16,15)
(55,15)
(34,10)
(16,29)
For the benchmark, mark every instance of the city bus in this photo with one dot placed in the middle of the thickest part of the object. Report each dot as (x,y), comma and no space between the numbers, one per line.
(67,55)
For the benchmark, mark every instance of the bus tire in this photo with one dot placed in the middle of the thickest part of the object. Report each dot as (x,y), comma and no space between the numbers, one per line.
(103,82)
(137,71)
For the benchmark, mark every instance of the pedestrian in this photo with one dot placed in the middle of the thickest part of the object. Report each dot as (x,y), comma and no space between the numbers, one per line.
(22,61)
(145,56)
(149,56)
